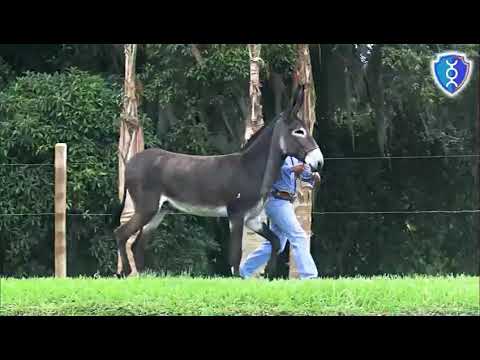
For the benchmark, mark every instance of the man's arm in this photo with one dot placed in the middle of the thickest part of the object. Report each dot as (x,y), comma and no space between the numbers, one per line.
(312,178)
(292,165)
(306,174)
(304,171)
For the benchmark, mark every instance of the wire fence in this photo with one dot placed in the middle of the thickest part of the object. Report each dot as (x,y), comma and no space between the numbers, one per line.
(399,212)
(399,157)
(406,157)
(461,211)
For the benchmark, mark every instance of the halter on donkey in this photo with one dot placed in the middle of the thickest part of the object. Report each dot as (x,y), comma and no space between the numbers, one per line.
(234,185)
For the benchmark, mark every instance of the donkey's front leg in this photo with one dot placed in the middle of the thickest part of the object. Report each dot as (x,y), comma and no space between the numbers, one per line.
(236,235)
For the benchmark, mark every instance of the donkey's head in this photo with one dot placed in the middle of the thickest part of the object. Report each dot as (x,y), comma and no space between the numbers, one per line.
(294,137)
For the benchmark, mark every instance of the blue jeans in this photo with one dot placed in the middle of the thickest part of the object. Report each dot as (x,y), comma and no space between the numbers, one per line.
(285,225)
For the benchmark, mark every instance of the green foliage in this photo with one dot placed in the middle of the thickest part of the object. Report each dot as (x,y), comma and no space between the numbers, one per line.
(6,73)
(38,111)
(162,75)
(280,58)
(420,121)
(223,64)
(195,91)
(210,95)
(182,244)
(190,138)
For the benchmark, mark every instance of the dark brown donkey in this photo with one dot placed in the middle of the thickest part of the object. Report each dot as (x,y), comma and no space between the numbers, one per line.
(234,185)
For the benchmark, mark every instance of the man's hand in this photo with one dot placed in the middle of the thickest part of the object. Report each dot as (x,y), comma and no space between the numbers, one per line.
(317,178)
(298,169)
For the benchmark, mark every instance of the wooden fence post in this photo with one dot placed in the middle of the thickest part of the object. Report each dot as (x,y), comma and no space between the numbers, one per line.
(60,210)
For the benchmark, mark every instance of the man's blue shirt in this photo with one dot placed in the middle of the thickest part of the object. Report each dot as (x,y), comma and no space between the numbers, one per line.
(286,181)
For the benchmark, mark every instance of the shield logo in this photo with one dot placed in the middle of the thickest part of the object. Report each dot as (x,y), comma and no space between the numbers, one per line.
(451,72)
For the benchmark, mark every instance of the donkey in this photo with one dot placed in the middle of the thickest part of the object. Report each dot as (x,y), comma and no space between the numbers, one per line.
(234,185)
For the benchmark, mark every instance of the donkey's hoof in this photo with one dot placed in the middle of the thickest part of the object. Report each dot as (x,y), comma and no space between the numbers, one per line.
(269,275)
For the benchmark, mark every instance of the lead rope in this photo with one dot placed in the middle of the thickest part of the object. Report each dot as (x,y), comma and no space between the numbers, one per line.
(294,179)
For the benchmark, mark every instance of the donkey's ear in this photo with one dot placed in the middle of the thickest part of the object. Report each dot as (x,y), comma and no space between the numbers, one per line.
(296,103)
(298,99)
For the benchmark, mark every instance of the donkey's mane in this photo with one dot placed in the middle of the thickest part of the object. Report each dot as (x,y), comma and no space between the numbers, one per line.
(258,133)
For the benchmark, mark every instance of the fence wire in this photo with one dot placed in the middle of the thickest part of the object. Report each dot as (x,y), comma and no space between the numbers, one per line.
(461,211)
(406,157)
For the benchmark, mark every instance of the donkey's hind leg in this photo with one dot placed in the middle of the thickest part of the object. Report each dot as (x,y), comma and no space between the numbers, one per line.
(130,255)
(122,235)
(146,206)
(120,271)
(147,230)
(261,228)
(139,252)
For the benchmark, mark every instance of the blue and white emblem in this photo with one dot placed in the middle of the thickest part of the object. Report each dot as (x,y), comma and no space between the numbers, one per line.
(451,71)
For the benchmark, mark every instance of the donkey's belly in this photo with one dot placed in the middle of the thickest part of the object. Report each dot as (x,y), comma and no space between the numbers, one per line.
(219,211)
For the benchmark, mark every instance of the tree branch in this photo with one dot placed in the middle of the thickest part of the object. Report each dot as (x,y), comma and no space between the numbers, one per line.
(197,54)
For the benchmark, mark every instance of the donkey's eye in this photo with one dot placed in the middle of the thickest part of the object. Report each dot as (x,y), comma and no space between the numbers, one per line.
(299,132)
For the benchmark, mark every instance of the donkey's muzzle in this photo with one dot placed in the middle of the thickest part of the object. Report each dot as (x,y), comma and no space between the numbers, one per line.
(314,159)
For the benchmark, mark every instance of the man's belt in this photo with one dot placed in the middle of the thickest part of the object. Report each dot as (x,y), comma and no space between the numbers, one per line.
(283,195)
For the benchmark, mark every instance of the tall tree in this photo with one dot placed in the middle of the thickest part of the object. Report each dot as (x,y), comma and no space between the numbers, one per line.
(476,169)
(303,204)
(130,143)
(253,122)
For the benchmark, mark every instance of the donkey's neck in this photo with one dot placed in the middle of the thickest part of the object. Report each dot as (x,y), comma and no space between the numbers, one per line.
(263,161)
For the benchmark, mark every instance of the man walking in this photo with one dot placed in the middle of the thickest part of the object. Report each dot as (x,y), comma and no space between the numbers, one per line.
(280,211)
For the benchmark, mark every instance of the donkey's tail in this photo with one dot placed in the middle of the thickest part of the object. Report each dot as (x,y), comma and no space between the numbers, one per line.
(117,211)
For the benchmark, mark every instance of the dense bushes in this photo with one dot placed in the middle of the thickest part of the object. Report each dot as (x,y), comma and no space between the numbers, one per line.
(39,110)
(418,120)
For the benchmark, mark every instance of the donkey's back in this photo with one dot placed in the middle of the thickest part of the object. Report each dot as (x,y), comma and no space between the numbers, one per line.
(199,181)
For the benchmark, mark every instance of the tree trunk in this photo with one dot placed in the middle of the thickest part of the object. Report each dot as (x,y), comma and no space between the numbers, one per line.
(376,90)
(251,241)
(278,89)
(197,54)
(476,170)
(303,204)
(256,115)
(131,139)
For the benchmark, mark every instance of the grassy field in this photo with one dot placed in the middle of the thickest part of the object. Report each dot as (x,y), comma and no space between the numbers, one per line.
(186,296)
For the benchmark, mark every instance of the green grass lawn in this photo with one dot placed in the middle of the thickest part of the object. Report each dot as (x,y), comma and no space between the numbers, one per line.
(150,295)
